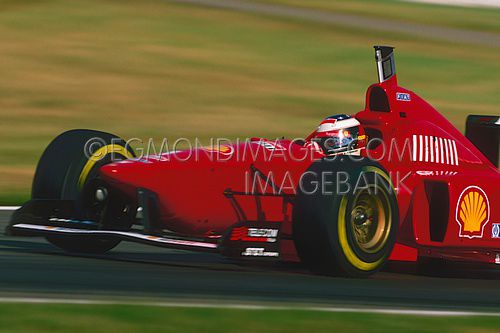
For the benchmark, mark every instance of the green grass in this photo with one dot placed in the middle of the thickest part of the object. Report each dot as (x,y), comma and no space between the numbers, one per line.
(155,69)
(29,318)
(14,197)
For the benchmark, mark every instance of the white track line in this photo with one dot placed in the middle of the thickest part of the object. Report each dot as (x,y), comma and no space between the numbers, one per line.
(462,3)
(389,311)
(9,208)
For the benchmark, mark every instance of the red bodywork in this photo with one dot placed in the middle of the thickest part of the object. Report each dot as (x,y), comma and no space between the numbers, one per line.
(438,174)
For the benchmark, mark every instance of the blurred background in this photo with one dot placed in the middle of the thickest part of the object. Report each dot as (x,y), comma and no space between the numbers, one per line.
(208,68)
(232,69)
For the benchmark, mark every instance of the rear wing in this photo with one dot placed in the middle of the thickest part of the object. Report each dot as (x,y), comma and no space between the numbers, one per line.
(484,133)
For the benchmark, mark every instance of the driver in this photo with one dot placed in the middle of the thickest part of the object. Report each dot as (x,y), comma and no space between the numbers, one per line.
(339,134)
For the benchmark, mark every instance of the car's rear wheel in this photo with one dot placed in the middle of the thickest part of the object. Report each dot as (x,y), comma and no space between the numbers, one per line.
(68,170)
(345,224)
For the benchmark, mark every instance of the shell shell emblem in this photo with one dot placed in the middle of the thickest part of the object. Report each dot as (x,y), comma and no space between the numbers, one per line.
(473,212)
(221,149)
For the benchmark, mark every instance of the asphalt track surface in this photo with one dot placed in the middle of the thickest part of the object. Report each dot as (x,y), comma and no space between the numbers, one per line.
(30,267)
(453,35)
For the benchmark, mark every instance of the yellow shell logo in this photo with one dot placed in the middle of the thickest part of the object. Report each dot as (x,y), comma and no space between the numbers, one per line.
(473,212)
(226,150)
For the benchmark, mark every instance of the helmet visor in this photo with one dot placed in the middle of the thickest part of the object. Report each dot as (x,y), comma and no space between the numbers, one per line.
(339,141)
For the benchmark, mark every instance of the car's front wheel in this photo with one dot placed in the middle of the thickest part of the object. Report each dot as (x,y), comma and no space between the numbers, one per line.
(345,217)
(69,170)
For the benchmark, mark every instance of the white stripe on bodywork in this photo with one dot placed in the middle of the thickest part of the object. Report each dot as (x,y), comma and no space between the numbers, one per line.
(441,152)
(452,155)
(431,147)
(436,143)
(427,148)
(112,232)
(455,152)
(447,151)
(421,148)
(414,155)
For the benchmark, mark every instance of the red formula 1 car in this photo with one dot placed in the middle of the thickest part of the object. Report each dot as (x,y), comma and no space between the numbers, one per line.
(396,181)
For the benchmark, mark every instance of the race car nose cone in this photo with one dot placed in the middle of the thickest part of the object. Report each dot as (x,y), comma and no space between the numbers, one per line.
(123,171)
(109,170)
(135,173)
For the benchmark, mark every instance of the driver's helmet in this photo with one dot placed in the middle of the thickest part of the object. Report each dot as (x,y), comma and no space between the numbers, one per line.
(339,134)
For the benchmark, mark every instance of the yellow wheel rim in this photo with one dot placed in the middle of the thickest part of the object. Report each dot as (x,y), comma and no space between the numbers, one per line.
(342,225)
(370,219)
(97,156)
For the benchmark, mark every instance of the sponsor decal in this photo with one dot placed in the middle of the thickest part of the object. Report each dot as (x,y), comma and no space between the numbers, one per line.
(495,230)
(255,232)
(433,149)
(403,97)
(221,149)
(355,152)
(472,212)
(271,145)
(263,235)
(258,252)
(425,173)
(436,173)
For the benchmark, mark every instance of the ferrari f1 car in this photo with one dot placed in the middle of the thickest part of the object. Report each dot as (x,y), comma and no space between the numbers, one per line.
(394,182)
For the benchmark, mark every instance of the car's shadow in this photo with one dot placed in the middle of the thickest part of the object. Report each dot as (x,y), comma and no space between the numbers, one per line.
(451,270)
(216,262)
